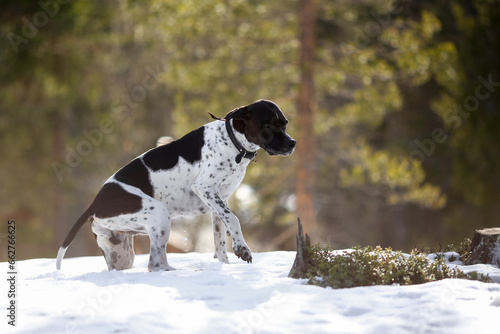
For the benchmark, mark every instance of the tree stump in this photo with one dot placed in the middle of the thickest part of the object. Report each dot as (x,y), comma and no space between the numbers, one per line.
(485,246)
(299,268)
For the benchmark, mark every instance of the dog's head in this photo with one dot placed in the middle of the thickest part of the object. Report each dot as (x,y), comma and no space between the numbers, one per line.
(263,124)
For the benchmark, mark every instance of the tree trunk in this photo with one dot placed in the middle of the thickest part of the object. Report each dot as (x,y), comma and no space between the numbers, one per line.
(305,114)
(299,268)
(486,246)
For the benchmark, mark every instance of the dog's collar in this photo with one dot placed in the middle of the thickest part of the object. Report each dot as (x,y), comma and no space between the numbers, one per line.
(243,153)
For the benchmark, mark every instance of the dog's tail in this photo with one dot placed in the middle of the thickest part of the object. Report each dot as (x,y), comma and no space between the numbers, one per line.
(71,235)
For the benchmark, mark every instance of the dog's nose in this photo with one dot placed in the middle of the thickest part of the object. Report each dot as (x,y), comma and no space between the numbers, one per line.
(293,143)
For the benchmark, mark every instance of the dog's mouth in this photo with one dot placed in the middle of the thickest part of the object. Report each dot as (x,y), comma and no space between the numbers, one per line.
(282,153)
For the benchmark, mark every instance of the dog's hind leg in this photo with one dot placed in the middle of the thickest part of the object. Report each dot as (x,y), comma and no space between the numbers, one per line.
(158,238)
(156,222)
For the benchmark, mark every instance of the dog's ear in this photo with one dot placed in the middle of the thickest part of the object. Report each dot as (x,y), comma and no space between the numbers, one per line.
(240,112)
(240,115)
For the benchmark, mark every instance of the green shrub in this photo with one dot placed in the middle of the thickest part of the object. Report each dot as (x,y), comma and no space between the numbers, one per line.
(463,249)
(376,266)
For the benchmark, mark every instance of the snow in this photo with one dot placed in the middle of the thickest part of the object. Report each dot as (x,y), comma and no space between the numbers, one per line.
(204,296)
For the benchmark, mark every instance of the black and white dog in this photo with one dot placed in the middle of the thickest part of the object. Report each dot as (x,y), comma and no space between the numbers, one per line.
(190,176)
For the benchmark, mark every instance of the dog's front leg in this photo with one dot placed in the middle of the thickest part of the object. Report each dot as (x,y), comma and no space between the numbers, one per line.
(210,197)
(219,230)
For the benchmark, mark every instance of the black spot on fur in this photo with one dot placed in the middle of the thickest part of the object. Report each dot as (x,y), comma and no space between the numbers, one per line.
(113,257)
(112,200)
(114,240)
(137,175)
(167,156)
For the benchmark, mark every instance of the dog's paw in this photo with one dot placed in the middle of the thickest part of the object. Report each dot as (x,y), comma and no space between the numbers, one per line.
(159,267)
(222,257)
(243,253)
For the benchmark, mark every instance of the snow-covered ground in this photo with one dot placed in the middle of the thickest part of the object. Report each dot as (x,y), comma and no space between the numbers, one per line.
(204,296)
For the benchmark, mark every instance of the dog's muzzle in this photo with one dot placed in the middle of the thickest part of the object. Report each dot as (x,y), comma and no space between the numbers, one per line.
(284,151)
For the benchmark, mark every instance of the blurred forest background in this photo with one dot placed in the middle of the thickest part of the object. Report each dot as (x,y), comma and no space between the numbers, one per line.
(398,140)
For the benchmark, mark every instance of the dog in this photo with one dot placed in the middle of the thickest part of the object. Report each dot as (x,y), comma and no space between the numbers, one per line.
(193,175)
